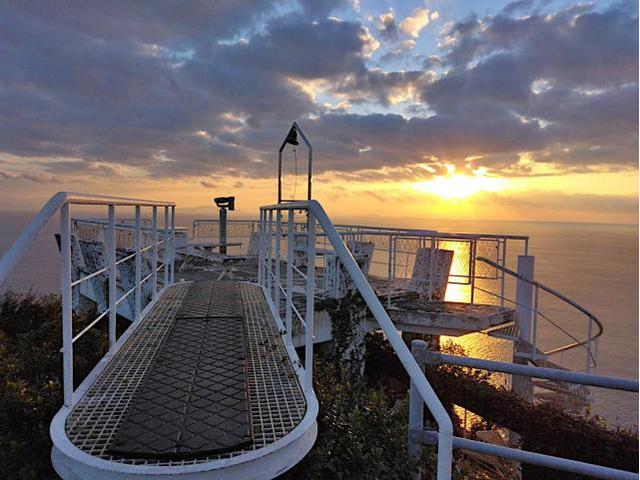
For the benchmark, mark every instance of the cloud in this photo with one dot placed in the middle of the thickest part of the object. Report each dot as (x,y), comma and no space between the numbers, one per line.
(387,26)
(413,24)
(207,184)
(574,93)
(387,88)
(163,92)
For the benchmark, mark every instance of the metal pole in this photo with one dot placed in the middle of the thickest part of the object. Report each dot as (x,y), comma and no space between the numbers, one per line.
(138,286)
(290,247)
(523,456)
(310,172)
(166,246)
(223,231)
(154,253)
(524,290)
(276,289)
(614,383)
(261,248)
(390,272)
(269,253)
(472,268)
(67,311)
(502,280)
(416,407)
(534,323)
(308,331)
(173,244)
(589,345)
(111,240)
(280,174)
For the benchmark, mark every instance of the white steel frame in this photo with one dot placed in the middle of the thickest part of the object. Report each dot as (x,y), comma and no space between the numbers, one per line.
(393,237)
(62,202)
(417,436)
(315,213)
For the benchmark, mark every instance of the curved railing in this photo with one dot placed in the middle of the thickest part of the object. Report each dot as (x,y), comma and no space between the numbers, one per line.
(592,319)
(277,223)
(61,202)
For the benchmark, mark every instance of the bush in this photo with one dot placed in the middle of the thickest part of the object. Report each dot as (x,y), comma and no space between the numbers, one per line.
(31,378)
(362,432)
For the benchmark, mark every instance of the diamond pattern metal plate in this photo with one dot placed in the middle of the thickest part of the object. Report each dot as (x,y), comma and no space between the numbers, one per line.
(212,299)
(193,401)
(276,400)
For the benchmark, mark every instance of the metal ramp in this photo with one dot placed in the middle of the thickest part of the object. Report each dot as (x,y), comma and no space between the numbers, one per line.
(239,411)
(193,399)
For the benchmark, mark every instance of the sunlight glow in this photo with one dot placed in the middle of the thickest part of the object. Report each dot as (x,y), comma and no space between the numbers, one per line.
(459,186)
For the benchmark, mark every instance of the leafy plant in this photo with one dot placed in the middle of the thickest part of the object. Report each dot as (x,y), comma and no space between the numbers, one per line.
(362,433)
(30,379)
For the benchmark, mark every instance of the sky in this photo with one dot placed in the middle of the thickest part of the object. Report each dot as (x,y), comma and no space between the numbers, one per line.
(522,110)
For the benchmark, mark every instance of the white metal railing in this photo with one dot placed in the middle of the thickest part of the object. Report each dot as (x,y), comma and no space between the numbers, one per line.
(395,251)
(270,279)
(595,328)
(417,435)
(61,202)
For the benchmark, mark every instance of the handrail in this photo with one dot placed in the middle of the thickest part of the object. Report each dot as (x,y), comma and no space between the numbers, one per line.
(549,352)
(384,321)
(372,229)
(558,295)
(62,202)
(419,436)
(19,247)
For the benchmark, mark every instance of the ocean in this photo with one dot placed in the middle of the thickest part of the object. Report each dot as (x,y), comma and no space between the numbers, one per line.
(594,264)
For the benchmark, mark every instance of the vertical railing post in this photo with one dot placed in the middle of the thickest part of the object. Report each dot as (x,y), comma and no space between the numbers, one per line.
(534,318)
(289,296)
(111,240)
(311,272)
(138,262)
(269,247)
(165,239)
(589,333)
(154,253)
(276,290)
(503,273)
(524,296)
(67,310)
(389,285)
(261,249)
(472,269)
(416,408)
(173,244)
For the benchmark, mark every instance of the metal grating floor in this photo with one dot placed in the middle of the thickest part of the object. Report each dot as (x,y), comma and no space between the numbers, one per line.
(276,399)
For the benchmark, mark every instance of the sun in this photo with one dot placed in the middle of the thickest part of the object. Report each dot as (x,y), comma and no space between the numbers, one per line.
(460,186)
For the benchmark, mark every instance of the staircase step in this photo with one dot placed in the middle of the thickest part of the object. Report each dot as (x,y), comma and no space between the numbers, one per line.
(509,331)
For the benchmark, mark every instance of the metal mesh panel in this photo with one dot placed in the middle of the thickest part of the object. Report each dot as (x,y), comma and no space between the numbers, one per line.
(489,249)
(276,399)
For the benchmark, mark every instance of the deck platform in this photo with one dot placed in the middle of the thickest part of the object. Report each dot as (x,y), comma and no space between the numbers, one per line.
(447,318)
(275,401)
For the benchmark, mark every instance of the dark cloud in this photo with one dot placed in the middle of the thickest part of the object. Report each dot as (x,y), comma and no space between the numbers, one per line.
(387,26)
(517,6)
(208,90)
(569,78)
(384,87)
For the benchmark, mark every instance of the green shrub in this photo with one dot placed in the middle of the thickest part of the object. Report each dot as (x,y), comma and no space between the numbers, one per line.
(30,379)
(362,432)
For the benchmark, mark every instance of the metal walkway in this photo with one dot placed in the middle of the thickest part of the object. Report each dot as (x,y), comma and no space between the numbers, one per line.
(275,399)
